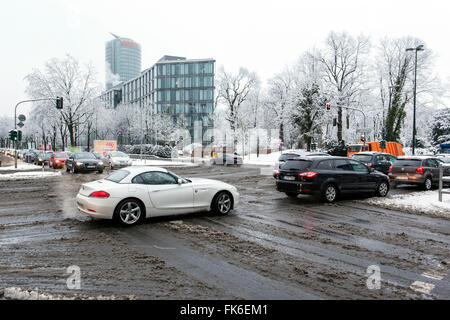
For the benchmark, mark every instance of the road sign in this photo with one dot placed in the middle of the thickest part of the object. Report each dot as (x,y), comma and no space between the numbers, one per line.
(21,117)
(20,124)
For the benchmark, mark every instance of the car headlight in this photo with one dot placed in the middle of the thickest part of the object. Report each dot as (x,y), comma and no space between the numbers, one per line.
(100,163)
(79,163)
(40,159)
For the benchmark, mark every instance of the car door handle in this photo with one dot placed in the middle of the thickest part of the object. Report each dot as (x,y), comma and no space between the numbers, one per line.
(156,190)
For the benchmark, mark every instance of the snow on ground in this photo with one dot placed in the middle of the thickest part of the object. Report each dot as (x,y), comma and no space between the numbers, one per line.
(269,159)
(160,163)
(29,175)
(21,167)
(14,293)
(424,202)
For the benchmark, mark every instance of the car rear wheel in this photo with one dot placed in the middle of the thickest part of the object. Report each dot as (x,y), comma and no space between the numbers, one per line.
(222,203)
(291,194)
(383,189)
(100,171)
(427,184)
(129,212)
(330,193)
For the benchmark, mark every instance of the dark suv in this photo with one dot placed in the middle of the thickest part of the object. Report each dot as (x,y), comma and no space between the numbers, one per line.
(380,161)
(328,177)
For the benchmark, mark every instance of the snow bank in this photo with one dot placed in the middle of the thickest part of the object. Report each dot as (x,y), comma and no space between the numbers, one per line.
(29,175)
(34,294)
(425,203)
(21,167)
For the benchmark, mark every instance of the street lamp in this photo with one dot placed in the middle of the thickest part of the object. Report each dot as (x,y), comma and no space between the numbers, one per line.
(418,48)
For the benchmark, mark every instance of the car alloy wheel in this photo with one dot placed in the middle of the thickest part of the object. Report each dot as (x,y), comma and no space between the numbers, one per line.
(130,212)
(223,203)
(330,193)
(427,184)
(383,189)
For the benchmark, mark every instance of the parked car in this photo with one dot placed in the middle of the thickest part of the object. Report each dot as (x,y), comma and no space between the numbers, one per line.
(30,156)
(416,170)
(83,162)
(118,159)
(445,158)
(58,160)
(43,157)
(380,161)
(131,194)
(294,155)
(329,177)
(227,159)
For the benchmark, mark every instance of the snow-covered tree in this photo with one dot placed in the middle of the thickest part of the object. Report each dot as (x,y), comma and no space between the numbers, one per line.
(440,127)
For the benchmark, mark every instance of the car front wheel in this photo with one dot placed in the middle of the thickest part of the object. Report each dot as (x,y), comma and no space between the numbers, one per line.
(330,193)
(383,189)
(222,203)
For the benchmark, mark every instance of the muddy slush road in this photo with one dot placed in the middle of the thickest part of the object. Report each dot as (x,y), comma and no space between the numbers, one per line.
(269,247)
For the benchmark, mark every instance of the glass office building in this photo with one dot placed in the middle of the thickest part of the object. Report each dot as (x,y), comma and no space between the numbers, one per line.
(176,86)
(123,59)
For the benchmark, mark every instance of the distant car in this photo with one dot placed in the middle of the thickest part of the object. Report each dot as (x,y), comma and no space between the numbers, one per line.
(118,159)
(131,194)
(43,157)
(58,160)
(83,162)
(30,156)
(380,161)
(416,170)
(227,159)
(329,177)
(445,158)
(294,155)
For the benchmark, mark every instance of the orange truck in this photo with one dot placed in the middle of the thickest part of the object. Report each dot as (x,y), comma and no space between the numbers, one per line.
(393,148)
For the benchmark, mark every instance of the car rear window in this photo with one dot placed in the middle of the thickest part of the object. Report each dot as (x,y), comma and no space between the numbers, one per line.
(362,157)
(407,163)
(296,164)
(287,156)
(118,176)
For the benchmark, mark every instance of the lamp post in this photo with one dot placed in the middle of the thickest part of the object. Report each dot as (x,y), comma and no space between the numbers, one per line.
(418,48)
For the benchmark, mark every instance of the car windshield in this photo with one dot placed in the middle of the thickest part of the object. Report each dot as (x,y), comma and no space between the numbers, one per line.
(118,176)
(60,155)
(362,157)
(119,154)
(296,164)
(354,149)
(287,156)
(84,155)
(407,163)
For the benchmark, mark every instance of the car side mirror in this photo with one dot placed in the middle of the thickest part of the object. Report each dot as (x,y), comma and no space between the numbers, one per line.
(180,181)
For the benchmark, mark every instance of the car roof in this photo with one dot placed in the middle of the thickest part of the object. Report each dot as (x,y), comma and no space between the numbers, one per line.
(415,157)
(374,152)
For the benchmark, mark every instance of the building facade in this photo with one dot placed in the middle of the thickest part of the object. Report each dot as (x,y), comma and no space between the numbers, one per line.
(122,60)
(176,86)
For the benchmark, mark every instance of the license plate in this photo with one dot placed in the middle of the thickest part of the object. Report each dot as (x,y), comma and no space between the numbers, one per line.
(402,178)
(289,178)
(90,167)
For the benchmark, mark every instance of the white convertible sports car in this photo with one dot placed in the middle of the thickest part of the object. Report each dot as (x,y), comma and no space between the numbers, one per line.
(131,194)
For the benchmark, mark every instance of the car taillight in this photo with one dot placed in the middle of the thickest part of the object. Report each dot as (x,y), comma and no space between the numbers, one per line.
(390,169)
(278,173)
(420,170)
(99,194)
(369,164)
(308,174)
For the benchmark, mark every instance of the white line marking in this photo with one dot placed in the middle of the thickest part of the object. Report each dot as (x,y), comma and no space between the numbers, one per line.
(162,248)
(434,274)
(422,287)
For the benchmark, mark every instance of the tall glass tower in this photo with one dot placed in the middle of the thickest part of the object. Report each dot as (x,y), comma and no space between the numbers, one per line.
(123,60)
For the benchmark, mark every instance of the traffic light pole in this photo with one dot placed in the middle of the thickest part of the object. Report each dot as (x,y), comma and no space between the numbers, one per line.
(15,124)
(364,117)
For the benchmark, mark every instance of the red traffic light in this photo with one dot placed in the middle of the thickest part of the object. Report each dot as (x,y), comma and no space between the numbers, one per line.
(363,138)
(328,106)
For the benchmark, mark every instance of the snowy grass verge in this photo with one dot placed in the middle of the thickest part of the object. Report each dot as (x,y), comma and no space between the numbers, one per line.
(29,175)
(14,293)
(21,167)
(425,203)
(160,163)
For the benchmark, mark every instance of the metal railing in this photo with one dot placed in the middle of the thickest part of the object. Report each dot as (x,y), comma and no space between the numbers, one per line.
(443,179)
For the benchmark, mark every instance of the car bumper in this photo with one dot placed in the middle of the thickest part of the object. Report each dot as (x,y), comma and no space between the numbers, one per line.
(407,179)
(84,169)
(97,207)
(297,187)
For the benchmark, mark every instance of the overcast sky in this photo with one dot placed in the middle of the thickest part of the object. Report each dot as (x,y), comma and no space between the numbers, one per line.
(263,36)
